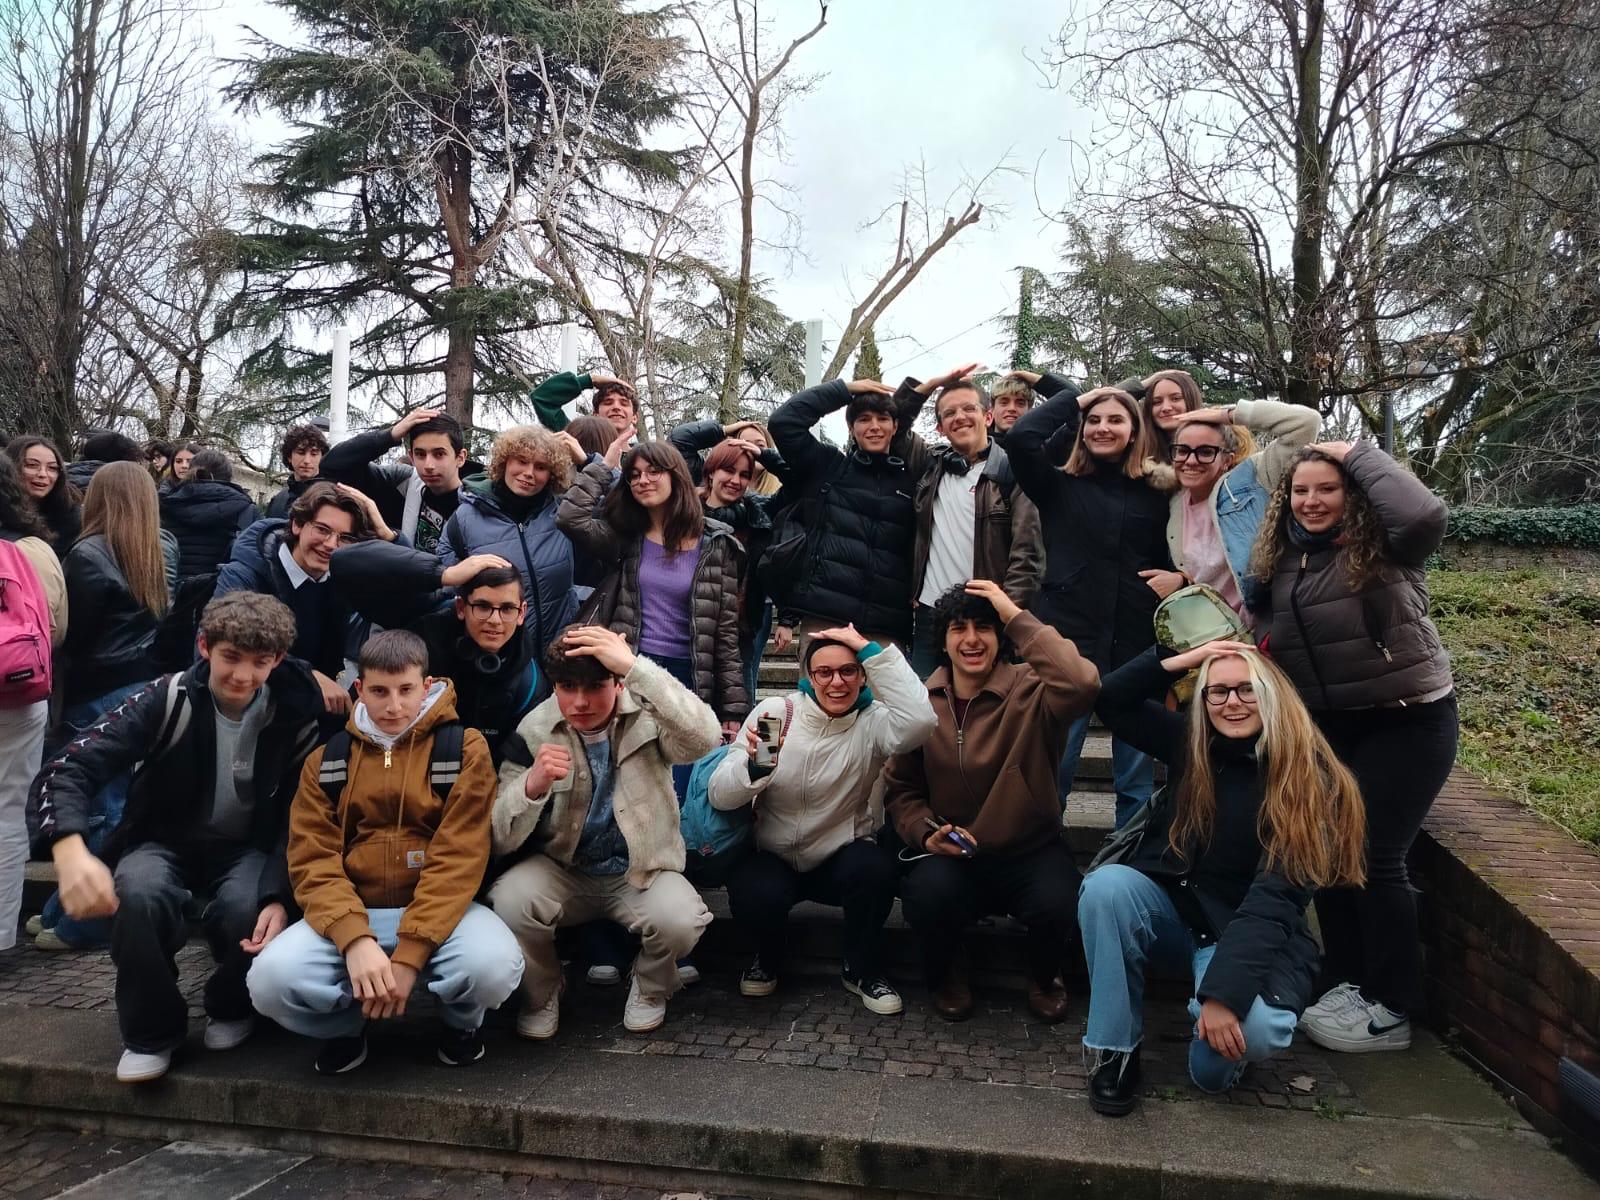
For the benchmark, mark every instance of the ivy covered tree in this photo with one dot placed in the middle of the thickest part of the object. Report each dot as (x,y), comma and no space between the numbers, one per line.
(1026,328)
(420,133)
(868,364)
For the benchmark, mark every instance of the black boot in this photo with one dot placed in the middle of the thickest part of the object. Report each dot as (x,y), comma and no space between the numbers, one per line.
(1114,1087)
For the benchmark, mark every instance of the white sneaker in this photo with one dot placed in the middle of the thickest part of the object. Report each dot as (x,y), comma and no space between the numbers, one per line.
(225,1035)
(643,1013)
(1335,999)
(137,1067)
(540,1023)
(603,975)
(1358,1028)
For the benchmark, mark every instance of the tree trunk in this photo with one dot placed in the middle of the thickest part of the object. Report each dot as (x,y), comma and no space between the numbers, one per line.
(454,187)
(728,402)
(1311,199)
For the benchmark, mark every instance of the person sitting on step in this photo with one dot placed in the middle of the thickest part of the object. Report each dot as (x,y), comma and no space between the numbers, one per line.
(979,796)
(810,778)
(388,843)
(588,813)
(221,747)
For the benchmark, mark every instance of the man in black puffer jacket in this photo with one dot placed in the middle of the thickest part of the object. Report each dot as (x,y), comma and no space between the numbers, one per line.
(205,513)
(853,565)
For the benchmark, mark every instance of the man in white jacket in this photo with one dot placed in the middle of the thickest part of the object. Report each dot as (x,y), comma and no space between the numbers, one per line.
(858,704)
(586,804)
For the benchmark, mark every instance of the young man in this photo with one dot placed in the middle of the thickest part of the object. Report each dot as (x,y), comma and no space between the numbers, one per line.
(587,811)
(973,522)
(979,796)
(614,401)
(289,559)
(476,633)
(221,747)
(416,497)
(301,452)
(100,447)
(387,846)
(1012,398)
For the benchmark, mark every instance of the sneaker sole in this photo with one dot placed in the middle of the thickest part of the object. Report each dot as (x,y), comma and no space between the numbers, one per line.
(143,1077)
(633,1027)
(756,991)
(1120,1108)
(536,1036)
(1359,1043)
(460,1062)
(347,1068)
(884,1008)
(602,980)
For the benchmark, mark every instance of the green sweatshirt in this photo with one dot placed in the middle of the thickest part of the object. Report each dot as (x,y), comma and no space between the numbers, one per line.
(549,397)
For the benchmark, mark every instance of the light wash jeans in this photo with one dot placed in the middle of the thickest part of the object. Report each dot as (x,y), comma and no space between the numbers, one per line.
(21,749)
(300,980)
(1133,773)
(1129,922)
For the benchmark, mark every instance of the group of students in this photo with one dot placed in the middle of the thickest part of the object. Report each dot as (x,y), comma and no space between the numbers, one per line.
(566,676)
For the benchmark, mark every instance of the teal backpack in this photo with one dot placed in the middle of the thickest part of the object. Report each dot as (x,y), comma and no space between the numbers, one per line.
(711,832)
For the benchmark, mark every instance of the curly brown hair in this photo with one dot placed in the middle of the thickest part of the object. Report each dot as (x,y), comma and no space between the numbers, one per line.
(536,444)
(1361,534)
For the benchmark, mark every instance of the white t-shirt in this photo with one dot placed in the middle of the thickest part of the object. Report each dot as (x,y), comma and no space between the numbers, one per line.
(955,515)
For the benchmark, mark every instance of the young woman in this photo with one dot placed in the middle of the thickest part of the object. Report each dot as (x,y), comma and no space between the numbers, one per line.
(22,727)
(1257,813)
(511,511)
(1080,459)
(116,577)
(677,590)
(1222,488)
(44,477)
(1342,550)
(205,513)
(1164,398)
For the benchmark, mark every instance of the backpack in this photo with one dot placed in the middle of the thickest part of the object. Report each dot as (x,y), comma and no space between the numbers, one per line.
(25,667)
(444,765)
(707,831)
(174,647)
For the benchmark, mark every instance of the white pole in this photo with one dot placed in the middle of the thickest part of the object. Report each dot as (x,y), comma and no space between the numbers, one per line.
(339,397)
(569,347)
(813,353)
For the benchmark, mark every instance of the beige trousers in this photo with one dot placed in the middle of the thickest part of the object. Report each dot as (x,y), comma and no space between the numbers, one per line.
(538,895)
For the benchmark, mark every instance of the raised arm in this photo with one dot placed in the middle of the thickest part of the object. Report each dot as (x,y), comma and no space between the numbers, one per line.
(1132,709)
(902,717)
(792,423)
(353,460)
(1071,682)
(1038,443)
(1291,427)
(551,397)
(1413,518)
(580,518)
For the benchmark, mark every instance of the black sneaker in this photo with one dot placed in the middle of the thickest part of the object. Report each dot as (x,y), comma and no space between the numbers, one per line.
(757,981)
(342,1055)
(458,1047)
(1114,1087)
(875,993)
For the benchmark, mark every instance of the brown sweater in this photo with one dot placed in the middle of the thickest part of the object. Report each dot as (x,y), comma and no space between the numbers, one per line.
(391,843)
(994,773)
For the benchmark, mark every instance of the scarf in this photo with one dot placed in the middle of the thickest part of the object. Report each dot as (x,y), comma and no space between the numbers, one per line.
(1304,540)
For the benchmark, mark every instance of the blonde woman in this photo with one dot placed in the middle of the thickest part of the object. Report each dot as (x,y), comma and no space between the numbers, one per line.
(1217,874)
(510,510)
(116,577)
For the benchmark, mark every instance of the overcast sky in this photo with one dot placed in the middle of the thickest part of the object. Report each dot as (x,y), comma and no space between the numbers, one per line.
(945,81)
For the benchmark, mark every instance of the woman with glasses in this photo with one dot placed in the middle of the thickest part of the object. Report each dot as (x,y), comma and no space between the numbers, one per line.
(1215,876)
(1222,487)
(44,477)
(1343,553)
(510,511)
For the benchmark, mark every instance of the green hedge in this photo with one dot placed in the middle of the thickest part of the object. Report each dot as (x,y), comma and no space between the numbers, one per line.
(1576,525)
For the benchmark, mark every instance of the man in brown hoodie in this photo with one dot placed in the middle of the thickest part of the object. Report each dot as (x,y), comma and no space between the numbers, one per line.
(979,796)
(385,868)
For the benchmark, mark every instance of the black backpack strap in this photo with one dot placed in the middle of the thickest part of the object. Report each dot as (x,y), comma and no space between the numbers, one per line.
(445,767)
(335,766)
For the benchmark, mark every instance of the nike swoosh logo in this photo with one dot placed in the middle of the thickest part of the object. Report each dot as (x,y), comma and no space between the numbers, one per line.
(1377,1030)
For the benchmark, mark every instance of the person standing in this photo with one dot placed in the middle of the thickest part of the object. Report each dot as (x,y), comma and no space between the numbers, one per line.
(205,513)
(44,478)
(301,452)
(416,497)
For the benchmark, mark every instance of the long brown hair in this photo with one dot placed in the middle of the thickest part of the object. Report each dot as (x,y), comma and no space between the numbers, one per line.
(1311,822)
(62,497)
(121,506)
(1360,533)
(1081,462)
(685,520)
(1160,443)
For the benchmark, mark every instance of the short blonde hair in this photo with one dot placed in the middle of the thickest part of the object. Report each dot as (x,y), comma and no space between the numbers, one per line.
(535,443)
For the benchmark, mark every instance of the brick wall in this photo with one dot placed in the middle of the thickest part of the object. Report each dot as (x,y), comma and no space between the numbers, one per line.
(1511,918)
(1499,556)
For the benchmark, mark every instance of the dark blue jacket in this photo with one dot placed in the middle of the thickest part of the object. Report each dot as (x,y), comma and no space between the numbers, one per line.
(205,516)
(320,611)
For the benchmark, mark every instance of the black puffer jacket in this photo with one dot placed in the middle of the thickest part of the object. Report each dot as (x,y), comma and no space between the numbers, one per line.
(693,438)
(714,599)
(1224,891)
(858,511)
(1100,531)
(283,498)
(205,516)
(1358,649)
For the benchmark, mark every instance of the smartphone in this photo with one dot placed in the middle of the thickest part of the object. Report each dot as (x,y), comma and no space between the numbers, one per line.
(768,731)
(962,842)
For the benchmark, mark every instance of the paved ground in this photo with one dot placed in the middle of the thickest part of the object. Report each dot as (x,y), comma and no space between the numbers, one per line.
(37,1164)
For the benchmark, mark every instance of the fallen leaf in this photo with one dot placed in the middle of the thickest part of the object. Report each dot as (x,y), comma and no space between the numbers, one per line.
(1303,1083)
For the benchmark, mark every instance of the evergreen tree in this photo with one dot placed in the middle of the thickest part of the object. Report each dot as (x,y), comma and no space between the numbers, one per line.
(1027,327)
(421,132)
(868,364)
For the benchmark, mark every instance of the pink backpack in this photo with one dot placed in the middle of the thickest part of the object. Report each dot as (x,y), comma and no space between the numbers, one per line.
(24,631)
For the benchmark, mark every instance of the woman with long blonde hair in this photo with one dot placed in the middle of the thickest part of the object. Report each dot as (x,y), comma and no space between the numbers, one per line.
(117,581)
(1216,872)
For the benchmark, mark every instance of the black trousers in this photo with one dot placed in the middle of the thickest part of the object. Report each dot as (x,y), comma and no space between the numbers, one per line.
(859,878)
(942,896)
(154,882)
(1401,758)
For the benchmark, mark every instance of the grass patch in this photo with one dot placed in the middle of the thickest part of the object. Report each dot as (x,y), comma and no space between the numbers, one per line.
(1525,649)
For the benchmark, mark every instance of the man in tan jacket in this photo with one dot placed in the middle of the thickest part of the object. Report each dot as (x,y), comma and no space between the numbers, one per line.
(388,843)
(587,809)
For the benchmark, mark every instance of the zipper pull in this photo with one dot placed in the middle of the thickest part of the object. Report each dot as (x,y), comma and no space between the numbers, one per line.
(1305,557)
(960,738)
(1387,657)
(388,758)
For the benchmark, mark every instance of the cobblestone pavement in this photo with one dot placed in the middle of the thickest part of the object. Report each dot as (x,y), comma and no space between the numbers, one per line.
(811,1022)
(36,1164)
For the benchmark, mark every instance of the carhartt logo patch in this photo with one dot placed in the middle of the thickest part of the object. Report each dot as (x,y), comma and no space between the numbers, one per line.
(414,859)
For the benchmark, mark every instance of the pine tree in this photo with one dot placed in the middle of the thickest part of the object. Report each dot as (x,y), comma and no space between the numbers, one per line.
(1027,328)
(868,364)
(418,130)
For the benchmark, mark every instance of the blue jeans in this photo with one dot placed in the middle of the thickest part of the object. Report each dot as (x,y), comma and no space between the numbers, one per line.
(300,980)
(105,814)
(681,669)
(752,647)
(1133,773)
(1128,922)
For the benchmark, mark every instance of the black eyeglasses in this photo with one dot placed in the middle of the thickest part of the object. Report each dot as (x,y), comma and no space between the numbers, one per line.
(1216,694)
(1201,454)
(848,673)
(483,610)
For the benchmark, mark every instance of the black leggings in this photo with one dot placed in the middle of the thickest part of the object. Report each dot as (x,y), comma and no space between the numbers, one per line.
(1401,758)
